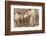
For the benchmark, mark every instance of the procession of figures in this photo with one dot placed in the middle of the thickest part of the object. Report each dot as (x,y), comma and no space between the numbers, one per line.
(26,17)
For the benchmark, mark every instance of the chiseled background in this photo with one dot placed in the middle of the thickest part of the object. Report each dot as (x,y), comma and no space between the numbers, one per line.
(2,18)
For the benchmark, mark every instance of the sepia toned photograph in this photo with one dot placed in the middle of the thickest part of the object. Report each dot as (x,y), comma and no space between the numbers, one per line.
(26,17)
